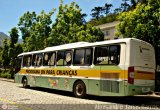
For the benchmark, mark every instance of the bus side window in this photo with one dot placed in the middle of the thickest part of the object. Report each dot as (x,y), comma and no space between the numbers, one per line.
(34,60)
(114,54)
(49,59)
(68,57)
(101,55)
(83,56)
(64,58)
(37,59)
(88,56)
(27,60)
(39,62)
(60,58)
(79,57)
(107,55)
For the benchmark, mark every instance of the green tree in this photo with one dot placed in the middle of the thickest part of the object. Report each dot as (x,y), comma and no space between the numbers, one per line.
(96,12)
(14,36)
(117,10)
(12,53)
(5,57)
(40,31)
(125,5)
(107,8)
(109,18)
(69,27)
(35,29)
(133,3)
(143,1)
(1,49)
(25,23)
(18,48)
(142,23)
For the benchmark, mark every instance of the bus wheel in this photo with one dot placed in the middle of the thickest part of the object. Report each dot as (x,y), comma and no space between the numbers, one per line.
(25,82)
(79,89)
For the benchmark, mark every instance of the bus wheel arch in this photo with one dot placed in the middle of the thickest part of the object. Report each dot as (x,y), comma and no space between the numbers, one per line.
(79,89)
(25,82)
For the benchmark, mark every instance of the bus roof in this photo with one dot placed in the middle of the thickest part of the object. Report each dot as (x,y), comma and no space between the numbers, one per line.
(66,45)
(32,52)
(81,44)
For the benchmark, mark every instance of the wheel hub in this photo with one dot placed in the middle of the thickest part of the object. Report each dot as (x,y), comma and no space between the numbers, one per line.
(79,89)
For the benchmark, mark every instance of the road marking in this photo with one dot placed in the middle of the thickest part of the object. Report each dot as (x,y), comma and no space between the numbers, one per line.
(16,104)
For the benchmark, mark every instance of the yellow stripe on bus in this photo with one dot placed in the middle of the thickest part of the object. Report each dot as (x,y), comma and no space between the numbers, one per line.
(116,74)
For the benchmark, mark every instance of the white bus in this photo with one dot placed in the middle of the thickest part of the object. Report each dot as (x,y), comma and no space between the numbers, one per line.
(121,67)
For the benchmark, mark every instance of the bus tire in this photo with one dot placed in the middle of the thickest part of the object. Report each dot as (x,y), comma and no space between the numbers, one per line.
(25,82)
(79,89)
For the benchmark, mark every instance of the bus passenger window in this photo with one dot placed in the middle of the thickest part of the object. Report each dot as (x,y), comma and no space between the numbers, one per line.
(45,59)
(27,60)
(34,60)
(114,54)
(88,56)
(68,56)
(79,56)
(60,58)
(83,56)
(49,59)
(39,62)
(64,58)
(101,55)
(107,55)
(37,59)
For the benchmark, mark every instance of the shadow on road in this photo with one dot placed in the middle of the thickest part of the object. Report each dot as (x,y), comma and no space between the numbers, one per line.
(129,100)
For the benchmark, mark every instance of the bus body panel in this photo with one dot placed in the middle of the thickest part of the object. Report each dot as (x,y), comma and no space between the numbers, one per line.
(142,58)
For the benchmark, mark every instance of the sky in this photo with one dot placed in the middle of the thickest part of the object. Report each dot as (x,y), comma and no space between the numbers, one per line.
(12,10)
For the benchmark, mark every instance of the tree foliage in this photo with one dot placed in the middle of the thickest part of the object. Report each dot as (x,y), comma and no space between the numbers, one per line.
(1,56)
(109,18)
(13,46)
(142,23)
(25,24)
(14,36)
(5,56)
(102,14)
(39,31)
(96,12)
(69,26)
(125,5)
(10,49)
(107,8)
(35,29)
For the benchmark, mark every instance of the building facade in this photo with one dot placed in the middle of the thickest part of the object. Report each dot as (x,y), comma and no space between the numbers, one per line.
(109,30)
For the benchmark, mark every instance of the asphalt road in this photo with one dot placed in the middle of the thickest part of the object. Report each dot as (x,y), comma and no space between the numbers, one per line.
(13,96)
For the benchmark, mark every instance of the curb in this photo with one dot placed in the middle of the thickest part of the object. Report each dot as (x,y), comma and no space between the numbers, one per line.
(8,80)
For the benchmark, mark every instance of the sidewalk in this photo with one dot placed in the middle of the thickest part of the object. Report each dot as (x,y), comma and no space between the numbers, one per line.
(8,80)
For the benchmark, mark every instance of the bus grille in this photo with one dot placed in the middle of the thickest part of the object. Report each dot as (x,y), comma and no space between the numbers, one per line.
(109,85)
